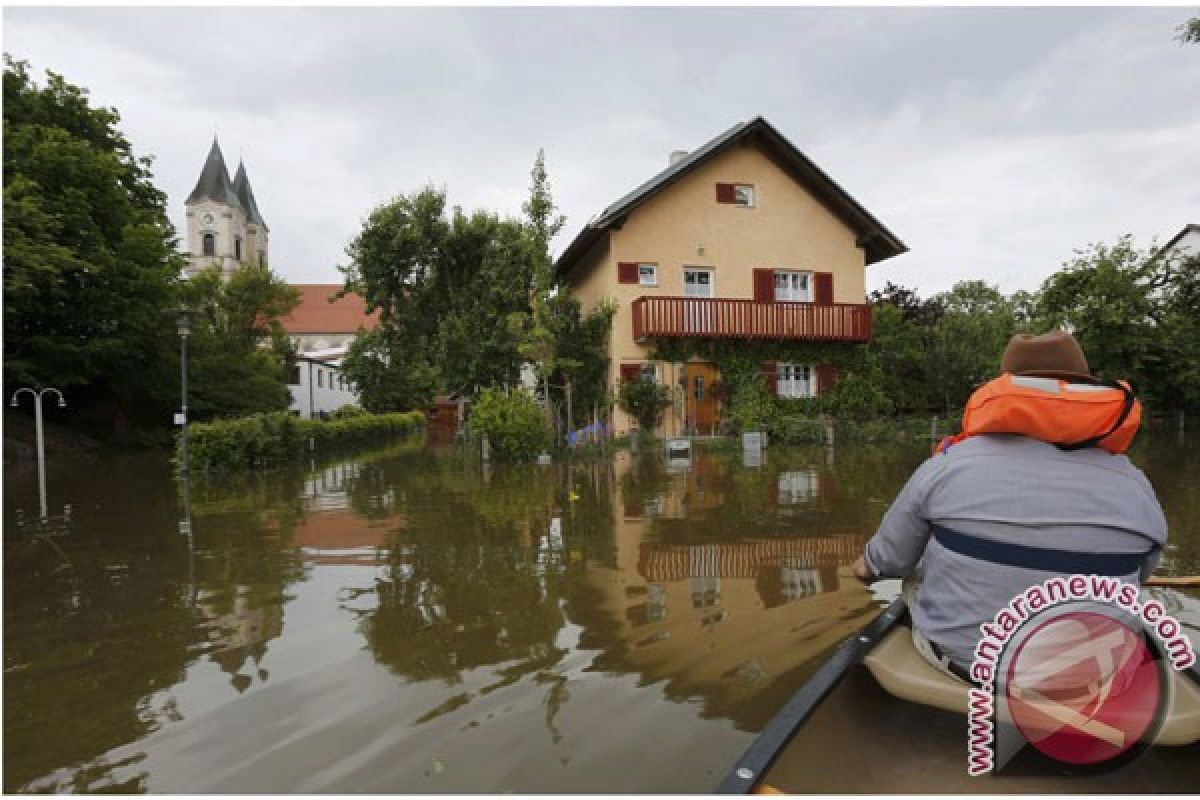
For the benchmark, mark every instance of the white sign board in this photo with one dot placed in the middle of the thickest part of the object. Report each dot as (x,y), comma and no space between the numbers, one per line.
(180,418)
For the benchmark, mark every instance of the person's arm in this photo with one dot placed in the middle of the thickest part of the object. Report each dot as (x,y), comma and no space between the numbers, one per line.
(895,549)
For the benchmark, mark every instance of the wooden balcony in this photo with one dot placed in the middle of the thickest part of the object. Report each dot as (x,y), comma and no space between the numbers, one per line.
(749,319)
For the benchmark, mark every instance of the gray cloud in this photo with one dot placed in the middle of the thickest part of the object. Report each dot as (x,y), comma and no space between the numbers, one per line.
(993,141)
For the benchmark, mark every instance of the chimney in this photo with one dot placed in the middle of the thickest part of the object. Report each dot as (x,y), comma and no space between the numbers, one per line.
(677,156)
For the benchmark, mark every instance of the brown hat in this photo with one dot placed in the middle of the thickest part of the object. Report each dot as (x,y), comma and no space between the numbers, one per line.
(1052,355)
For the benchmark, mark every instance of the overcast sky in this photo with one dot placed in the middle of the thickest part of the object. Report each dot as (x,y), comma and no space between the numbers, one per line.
(993,142)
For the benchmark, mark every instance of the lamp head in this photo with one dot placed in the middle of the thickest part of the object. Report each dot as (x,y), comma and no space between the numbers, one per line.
(61,402)
(13,402)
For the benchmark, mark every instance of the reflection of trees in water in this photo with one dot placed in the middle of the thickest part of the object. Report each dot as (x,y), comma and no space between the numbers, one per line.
(100,626)
(94,626)
(480,575)
(851,488)
(1173,467)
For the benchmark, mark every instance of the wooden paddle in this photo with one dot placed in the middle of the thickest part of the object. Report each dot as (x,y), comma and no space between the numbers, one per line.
(1175,581)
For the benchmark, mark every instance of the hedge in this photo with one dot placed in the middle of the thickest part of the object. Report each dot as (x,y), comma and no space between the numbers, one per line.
(278,437)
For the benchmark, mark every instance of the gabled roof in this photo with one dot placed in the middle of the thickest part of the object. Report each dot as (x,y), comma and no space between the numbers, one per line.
(316,314)
(1189,228)
(214,182)
(241,185)
(878,242)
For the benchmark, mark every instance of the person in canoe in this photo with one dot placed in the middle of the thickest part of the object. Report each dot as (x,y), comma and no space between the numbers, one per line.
(1036,485)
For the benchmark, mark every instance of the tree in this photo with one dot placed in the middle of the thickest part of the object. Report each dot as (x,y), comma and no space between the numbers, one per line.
(89,256)
(536,328)
(1189,31)
(231,373)
(976,326)
(1106,297)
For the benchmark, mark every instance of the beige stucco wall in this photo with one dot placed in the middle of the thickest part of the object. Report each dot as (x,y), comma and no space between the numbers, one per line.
(684,226)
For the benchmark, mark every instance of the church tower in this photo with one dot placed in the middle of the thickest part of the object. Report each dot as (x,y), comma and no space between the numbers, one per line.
(224,226)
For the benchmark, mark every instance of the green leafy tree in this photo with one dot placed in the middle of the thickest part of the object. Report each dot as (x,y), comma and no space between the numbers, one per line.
(645,400)
(238,349)
(1107,297)
(1189,32)
(976,325)
(446,286)
(89,256)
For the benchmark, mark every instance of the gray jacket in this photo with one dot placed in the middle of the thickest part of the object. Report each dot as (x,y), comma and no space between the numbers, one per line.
(1007,493)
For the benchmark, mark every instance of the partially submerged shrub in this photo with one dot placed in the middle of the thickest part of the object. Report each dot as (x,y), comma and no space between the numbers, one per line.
(645,400)
(516,426)
(279,437)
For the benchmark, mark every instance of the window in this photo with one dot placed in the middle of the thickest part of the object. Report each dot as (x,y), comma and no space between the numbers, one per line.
(237,247)
(294,375)
(320,379)
(743,195)
(795,287)
(697,282)
(648,274)
(649,372)
(796,380)
(209,244)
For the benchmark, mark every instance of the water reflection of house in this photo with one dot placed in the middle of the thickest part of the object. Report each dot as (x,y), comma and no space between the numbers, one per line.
(332,532)
(727,619)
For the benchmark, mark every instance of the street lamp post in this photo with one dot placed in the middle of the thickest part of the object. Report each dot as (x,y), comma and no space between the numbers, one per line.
(41,439)
(183,326)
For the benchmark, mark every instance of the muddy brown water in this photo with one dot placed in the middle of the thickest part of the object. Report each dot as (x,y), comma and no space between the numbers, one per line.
(409,620)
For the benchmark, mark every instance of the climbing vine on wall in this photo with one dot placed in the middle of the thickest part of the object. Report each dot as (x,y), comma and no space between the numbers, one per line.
(749,405)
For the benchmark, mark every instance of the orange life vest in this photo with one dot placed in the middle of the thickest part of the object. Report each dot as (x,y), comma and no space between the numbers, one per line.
(1069,415)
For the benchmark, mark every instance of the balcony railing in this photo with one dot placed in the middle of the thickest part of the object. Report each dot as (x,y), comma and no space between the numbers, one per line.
(749,319)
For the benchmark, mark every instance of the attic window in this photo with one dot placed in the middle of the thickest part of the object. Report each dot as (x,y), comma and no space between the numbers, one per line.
(737,194)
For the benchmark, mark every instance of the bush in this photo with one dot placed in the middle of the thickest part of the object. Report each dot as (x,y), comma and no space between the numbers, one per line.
(645,400)
(347,411)
(514,423)
(279,438)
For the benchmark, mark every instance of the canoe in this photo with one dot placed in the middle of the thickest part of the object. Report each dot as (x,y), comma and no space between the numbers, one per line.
(877,718)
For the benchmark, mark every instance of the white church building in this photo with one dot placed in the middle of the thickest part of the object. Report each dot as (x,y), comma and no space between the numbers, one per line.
(226,228)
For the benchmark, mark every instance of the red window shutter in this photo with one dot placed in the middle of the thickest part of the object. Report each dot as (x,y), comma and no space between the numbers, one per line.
(764,286)
(826,378)
(769,367)
(631,372)
(726,193)
(627,272)
(823,288)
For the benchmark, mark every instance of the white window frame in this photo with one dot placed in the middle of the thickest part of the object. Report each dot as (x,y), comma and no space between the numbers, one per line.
(792,293)
(653,275)
(796,380)
(712,281)
(740,190)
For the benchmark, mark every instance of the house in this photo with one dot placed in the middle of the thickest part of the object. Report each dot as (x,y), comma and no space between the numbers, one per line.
(744,239)
(317,385)
(324,321)
(1185,244)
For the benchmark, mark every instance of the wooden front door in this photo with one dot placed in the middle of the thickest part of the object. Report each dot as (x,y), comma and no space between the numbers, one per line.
(701,406)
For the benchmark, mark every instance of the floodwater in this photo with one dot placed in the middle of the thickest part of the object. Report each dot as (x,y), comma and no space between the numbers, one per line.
(410,620)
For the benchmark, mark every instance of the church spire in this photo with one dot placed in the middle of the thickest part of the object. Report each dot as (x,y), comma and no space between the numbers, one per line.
(214,182)
(241,185)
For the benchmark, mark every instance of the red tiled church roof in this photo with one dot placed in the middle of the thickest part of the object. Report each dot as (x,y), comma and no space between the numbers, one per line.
(315,314)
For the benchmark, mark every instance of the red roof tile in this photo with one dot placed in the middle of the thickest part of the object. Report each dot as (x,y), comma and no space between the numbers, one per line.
(315,314)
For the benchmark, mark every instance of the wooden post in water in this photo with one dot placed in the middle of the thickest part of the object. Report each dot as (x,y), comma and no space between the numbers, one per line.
(485,448)
(933,429)
(828,430)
